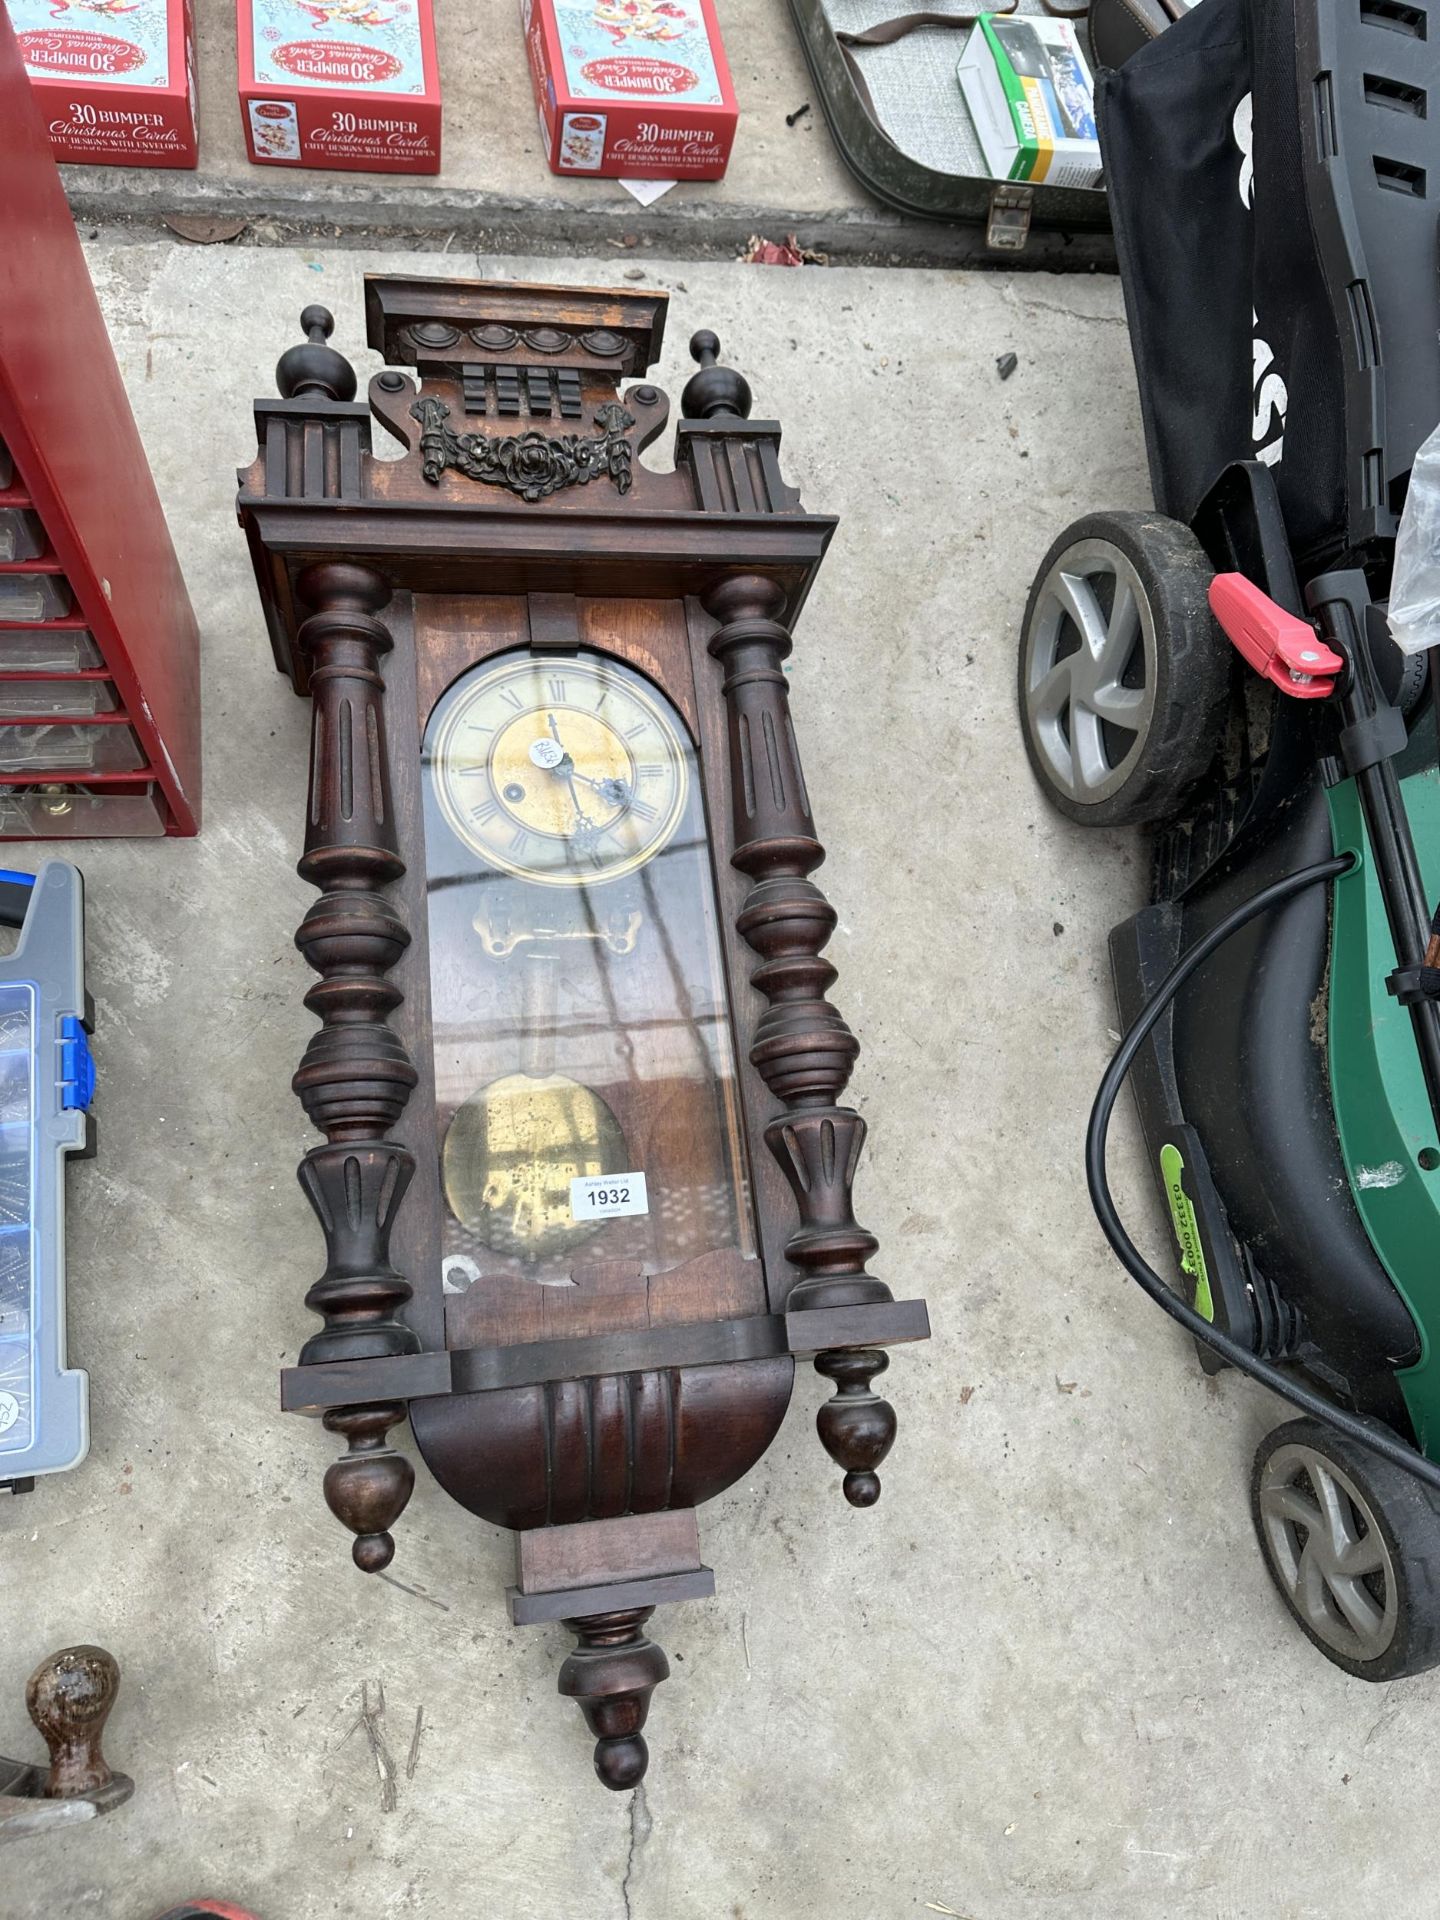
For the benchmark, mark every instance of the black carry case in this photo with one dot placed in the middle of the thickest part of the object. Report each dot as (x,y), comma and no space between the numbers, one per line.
(1273,190)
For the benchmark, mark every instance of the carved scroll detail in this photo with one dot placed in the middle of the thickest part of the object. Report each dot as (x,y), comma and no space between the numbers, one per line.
(802,1048)
(356,1076)
(532,464)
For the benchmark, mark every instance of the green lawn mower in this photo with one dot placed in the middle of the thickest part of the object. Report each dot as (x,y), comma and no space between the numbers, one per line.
(1221,672)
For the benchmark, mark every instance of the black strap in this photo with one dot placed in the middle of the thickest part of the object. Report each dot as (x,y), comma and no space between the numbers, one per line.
(885,33)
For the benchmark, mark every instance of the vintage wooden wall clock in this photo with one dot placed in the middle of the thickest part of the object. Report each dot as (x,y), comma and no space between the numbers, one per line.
(586,1180)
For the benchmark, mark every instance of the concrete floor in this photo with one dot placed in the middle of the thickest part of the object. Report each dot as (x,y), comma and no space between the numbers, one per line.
(1047,1675)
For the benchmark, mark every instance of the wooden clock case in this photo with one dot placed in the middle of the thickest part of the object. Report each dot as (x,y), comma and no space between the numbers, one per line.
(591,1417)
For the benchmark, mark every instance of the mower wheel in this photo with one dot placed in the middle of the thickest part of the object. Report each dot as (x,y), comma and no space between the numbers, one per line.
(1353,1544)
(1124,674)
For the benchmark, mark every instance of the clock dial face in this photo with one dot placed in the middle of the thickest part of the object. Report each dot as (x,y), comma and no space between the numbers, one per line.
(564,772)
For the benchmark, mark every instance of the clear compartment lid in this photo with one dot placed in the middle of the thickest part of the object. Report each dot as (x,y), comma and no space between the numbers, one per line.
(47,650)
(26,598)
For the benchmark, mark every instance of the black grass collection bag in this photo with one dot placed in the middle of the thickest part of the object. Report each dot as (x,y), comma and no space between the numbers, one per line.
(1231,317)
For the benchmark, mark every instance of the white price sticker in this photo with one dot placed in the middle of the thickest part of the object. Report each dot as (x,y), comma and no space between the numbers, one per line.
(607,1196)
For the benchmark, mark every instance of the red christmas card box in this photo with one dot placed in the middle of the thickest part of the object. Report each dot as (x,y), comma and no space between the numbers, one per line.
(114,78)
(635,88)
(352,84)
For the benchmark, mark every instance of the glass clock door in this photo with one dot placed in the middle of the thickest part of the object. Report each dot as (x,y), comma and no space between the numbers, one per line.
(588,1112)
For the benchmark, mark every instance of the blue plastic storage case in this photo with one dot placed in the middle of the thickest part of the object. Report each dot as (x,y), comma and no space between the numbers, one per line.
(47,1079)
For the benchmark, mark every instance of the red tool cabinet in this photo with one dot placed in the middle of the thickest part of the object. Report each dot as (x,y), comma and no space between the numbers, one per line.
(99,652)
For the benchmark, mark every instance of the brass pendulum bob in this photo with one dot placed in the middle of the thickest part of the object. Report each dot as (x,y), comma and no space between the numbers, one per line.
(514,1147)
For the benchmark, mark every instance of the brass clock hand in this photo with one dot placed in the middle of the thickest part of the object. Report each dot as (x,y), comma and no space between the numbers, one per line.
(582,819)
(609,788)
(555,757)
(551,757)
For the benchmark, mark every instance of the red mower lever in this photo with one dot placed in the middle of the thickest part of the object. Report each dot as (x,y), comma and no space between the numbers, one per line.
(1282,649)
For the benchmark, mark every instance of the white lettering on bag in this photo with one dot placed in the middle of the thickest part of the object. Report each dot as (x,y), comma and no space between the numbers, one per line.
(1269,394)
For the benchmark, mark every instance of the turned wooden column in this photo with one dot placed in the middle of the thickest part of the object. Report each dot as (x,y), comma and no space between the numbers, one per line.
(802,1048)
(356,1076)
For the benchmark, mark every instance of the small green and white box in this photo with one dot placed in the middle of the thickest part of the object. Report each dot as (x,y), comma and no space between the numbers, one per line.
(1030,94)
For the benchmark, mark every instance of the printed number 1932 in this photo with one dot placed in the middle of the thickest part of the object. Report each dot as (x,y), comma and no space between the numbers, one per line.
(608,1196)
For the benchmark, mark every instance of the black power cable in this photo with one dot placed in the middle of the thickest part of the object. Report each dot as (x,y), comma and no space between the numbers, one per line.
(1388,1446)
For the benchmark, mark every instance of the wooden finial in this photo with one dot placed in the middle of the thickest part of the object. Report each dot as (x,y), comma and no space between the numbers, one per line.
(69,1697)
(856,1427)
(368,1488)
(315,368)
(714,390)
(612,1674)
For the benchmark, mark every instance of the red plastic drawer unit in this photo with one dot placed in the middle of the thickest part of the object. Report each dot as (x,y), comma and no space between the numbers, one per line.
(99,653)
